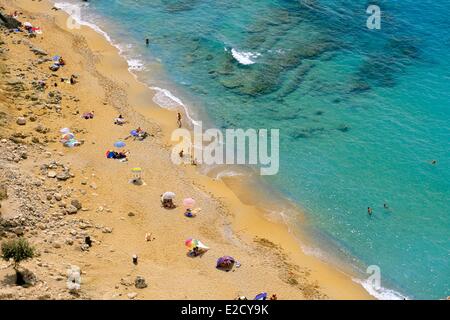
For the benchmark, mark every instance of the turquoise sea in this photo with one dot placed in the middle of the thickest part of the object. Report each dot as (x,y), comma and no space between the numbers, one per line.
(361,112)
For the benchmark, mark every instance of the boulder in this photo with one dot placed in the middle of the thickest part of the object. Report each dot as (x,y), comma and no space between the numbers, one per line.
(139,282)
(71,209)
(51,174)
(9,22)
(63,176)
(132,295)
(21,121)
(38,51)
(76,204)
(3,192)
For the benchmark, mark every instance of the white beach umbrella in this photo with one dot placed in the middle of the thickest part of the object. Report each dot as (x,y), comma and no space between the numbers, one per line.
(168,195)
(64,130)
(28,25)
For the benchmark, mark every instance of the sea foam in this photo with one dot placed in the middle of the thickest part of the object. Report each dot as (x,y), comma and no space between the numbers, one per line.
(166,99)
(381,293)
(74,11)
(245,58)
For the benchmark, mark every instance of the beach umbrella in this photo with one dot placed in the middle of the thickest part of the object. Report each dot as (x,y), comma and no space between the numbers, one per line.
(188,203)
(64,130)
(137,172)
(134,133)
(261,296)
(27,24)
(192,243)
(119,144)
(168,195)
(56,58)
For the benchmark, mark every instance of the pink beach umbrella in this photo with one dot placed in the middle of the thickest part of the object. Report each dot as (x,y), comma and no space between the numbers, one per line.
(188,203)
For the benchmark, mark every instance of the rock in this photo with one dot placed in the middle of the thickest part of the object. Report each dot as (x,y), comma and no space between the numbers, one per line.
(69,241)
(139,282)
(21,121)
(126,282)
(9,22)
(41,129)
(107,230)
(57,196)
(132,295)
(28,277)
(71,209)
(63,176)
(74,278)
(56,245)
(3,192)
(39,52)
(76,204)
(51,174)
(19,231)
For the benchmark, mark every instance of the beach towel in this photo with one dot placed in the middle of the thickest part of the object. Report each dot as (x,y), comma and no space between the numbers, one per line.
(110,154)
(71,143)
(36,30)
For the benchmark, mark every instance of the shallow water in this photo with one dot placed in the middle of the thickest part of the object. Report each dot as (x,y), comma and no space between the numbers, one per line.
(361,112)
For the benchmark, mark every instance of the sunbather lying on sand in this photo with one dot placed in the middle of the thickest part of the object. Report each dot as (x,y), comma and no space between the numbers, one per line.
(168,204)
(88,115)
(138,134)
(121,155)
(119,120)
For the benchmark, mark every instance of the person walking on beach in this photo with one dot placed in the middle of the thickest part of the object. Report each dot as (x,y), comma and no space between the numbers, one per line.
(179,120)
(369,211)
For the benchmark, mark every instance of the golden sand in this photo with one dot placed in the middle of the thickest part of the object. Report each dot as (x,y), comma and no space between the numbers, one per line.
(271,257)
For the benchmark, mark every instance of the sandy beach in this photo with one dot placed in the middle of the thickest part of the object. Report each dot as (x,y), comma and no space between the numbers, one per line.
(115,213)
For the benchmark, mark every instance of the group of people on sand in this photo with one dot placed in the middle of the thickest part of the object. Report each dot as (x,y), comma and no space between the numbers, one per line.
(119,155)
(139,134)
(60,62)
(169,204)
(272,297)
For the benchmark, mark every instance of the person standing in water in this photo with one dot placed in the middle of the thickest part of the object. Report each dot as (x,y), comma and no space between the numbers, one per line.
(369,211)
(147,42)
(179,120)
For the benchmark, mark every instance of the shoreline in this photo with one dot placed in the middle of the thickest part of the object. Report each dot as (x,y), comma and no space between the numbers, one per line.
(249,218)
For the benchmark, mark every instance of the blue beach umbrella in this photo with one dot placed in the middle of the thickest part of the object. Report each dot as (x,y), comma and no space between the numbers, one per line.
(261,296)
(119,144)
